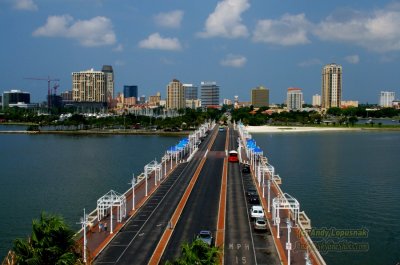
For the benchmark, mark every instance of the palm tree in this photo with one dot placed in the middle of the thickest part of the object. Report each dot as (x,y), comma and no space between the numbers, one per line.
(197,252)
(51,242)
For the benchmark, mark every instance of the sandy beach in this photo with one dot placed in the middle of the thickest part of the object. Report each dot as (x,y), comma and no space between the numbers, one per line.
(294,129)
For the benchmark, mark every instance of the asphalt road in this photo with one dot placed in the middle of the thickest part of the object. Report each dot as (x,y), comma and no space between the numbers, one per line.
(243,245)
(201,210)
(135,243)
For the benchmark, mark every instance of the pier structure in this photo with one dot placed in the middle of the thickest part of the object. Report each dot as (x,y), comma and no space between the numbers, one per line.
(283,213)
(114,210)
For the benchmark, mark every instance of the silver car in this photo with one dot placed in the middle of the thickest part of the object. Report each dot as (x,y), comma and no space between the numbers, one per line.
(206,237)
(260,224)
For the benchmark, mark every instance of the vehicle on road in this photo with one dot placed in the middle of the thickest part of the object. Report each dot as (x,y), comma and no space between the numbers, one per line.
(251,192)
(254,200)
(221,129)
(260,224)
(206,237)
(233,156)
(246,168)
(256,211)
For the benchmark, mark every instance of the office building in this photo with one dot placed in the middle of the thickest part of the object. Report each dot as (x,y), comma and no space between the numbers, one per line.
(227,101)
(209,94)
(260,97)
(190,91)
(16,98)
(66,96)
(316,100)
(294,99)
(89,86)
(331,86)
(175,95)
(386,99)
(109,81)
(130,91)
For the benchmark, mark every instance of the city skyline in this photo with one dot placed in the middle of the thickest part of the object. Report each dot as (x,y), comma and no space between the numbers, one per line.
(240,44)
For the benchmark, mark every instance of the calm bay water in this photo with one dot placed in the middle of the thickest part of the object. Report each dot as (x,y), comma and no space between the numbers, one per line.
(345,180)
(64,174)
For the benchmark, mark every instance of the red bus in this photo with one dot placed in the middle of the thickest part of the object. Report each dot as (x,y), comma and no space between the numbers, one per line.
(233,156)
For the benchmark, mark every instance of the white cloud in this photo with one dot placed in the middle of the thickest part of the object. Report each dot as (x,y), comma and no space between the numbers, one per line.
(353,59)
(232,60)
(377,31)
(25,5)
(310,62)
(287,31)
(156,42)
(226,20)
(171,19)
(97,31)
(118,48)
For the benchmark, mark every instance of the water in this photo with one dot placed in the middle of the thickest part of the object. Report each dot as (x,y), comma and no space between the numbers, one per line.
(64,174)
(345,180)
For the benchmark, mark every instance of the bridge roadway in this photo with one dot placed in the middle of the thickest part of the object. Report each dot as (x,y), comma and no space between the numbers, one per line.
(201,210)
(136,241)
(243,245)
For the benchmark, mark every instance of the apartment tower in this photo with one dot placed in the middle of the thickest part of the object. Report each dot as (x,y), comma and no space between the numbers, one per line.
(331,86)
(294,99)
(386,99)
(175,95)
(109,80)
(89,86)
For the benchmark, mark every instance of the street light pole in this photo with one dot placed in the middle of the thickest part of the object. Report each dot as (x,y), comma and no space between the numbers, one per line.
(288,244)
(133,191)
(84,222)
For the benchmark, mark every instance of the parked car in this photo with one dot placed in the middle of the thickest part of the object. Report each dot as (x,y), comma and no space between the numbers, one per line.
(206,237)
(254,200)
(246,168)
(260,224)
(256,211)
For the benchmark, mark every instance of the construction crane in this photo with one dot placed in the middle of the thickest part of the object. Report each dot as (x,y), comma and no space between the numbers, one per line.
(48,79)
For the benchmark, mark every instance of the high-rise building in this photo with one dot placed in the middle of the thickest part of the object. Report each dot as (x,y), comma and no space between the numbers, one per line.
(109,80)
(89,86)
(209,94)
(260,97)
(155,100)
(331,85)
(15,97)
(175,95)
(190,91)
(294,99)
(316,100)
(130,91)
(386,99)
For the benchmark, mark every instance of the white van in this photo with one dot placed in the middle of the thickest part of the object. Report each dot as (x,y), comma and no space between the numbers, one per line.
(256,211)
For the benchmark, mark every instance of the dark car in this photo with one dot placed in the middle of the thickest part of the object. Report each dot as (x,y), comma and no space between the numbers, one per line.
(251,192)
(254,200)
(246,168)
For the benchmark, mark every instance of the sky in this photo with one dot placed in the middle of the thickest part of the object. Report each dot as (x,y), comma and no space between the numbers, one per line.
(240,44)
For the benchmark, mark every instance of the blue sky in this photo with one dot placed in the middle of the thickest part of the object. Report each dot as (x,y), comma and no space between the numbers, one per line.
(240,44)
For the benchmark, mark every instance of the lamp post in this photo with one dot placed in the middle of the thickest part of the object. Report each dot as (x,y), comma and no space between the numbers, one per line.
(288,244)
(84,222)
(133,191)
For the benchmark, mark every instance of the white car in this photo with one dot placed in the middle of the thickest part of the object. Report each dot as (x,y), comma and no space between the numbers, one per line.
(256,211)
(260,224)
(206,237)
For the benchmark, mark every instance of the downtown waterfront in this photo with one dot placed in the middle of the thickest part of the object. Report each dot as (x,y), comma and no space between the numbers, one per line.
(343,180)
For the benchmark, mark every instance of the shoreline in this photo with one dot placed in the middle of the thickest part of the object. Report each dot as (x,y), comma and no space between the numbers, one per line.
(108,132)
(297,129)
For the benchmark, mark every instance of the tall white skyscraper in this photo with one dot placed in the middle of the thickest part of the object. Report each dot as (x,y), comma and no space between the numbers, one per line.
(294,99)
(386,99)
